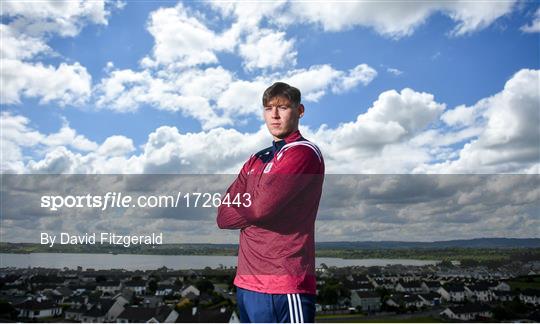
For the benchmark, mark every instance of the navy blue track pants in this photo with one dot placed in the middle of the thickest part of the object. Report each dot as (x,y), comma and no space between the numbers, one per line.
(256,307)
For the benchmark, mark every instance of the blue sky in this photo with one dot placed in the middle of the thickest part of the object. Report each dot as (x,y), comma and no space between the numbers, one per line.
(111,87)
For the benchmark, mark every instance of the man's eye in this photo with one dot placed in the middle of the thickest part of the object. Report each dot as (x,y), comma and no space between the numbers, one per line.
(282,107)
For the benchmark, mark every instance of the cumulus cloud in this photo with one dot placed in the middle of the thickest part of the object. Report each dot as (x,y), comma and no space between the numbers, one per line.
(267,49)
(24,38)
(398,20)
(65,18)
(215,96)
(402,132)
(317,80)
(509,139)
(20,46)
(183,39)
(67,84)
(18,134)
(127,90)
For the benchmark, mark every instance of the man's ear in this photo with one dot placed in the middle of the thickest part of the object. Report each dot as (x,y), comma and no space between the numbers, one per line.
(301,110)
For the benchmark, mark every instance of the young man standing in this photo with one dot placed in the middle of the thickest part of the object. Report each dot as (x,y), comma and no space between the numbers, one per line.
(279,189)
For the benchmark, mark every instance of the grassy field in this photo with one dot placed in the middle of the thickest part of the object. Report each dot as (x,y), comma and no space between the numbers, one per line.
(356,318)
(523,283)
(420,319)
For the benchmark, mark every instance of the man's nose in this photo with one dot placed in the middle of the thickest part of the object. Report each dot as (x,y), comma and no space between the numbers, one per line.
(275,113)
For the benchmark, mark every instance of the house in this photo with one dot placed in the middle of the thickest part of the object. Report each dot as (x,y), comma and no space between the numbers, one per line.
(353,285)
(407,278)
(165,289)
(430,299)
(134,314)
(430,286)
(138,286)
(409,287)
(105,310)
(216,315)
(75,312)
(505,296)
(152,301)
(190,289)
(479,292)
(406,301)
(362,279)
(63,291)
(367,301)
(384,283)
(502,286)
(38,308)
(109,286)
(452,292)
(530,296)
(468,312)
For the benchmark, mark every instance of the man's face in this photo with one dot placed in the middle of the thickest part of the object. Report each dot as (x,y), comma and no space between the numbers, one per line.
(282,117)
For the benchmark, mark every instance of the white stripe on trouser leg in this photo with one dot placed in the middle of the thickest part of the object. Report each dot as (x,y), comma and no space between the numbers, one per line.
(300,308)
(297,319)
(290,308)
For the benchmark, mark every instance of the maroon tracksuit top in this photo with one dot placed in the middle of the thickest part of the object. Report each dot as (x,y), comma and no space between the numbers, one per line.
(277,230)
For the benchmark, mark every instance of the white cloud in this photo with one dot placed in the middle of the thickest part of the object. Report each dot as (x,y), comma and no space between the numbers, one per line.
(166,150)
(116,145)
(20,46)
(126,91)
(397,20)
(267,49)
(169,151)
(67,84)
(402,132)
(183,40)
(362,73)
(534,26)
(243,97)
(25,35)
(67,136)
(248,14)
(378,141)
(17,134)
(394,71)
(214,96)
(57,161)
(509,141)
(472,16)
(65,18)
(313,82)
(461,115)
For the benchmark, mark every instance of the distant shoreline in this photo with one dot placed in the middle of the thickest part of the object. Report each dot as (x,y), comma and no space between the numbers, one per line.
(481,250)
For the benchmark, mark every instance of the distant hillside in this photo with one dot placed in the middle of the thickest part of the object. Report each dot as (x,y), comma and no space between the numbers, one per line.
(484,243)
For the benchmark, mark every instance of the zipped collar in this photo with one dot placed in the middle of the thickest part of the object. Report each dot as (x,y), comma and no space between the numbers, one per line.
(292,137)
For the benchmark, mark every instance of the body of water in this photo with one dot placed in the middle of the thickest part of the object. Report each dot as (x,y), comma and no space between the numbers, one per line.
(150,262)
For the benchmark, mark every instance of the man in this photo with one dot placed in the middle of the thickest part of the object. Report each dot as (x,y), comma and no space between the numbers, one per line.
(275,277)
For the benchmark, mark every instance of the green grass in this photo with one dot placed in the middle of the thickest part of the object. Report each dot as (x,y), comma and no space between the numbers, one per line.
(359,318)
(337,315)
(522,283)
(420,319)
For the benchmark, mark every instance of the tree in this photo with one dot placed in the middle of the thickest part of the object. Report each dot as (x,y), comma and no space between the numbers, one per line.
(152,286)
(205,285)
